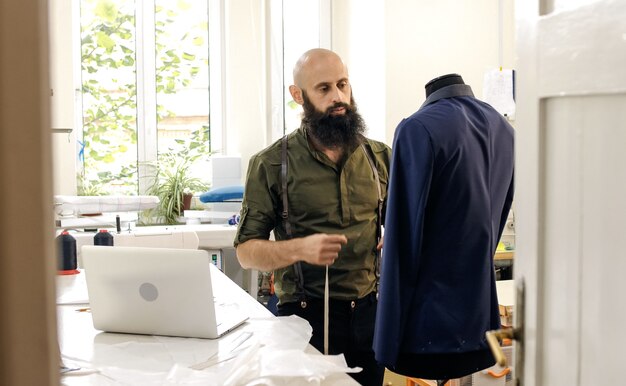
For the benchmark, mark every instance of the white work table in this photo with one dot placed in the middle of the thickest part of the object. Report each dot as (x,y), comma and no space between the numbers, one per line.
(114,359)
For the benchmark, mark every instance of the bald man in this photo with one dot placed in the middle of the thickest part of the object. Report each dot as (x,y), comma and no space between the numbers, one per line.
(321,190)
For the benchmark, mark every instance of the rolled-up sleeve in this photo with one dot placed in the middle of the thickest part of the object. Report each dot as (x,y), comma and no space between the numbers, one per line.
(258,209)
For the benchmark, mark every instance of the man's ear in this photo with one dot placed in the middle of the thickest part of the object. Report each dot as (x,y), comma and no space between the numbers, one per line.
(296,94)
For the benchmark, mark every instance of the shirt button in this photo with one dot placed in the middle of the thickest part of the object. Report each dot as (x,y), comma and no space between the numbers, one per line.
(352,304)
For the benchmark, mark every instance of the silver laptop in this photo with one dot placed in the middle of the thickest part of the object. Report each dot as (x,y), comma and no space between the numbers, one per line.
(156,291)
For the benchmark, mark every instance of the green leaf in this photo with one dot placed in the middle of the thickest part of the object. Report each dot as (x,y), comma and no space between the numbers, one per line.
(129,61)
(183,5)
(104,40)
(106,10)
(188,56)
(198,41)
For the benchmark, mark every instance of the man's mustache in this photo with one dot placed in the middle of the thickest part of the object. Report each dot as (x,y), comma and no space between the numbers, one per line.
(338,105)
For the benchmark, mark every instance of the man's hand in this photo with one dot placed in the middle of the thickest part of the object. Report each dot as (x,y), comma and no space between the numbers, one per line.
(321,249)
(266,255)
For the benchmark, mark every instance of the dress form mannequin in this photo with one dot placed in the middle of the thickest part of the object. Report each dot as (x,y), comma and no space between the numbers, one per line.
(442,81)
(447,365)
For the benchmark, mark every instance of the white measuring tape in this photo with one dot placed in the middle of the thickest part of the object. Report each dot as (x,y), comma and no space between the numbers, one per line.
(326,300)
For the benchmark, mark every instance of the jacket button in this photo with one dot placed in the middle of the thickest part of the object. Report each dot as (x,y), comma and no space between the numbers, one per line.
(352,304)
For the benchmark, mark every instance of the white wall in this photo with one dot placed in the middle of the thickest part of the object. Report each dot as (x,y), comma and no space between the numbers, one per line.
(426,39)
(245,83)
(358,36)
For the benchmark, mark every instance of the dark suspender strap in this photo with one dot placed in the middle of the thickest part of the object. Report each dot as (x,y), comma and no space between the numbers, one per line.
(283,177)
(297,267)
(379,213)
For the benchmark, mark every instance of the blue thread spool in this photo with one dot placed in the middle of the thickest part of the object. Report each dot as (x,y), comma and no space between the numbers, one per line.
(103,237)
(66,254)
(234,219)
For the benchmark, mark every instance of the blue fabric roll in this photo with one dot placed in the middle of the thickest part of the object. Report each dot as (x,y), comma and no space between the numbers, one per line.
(226,193)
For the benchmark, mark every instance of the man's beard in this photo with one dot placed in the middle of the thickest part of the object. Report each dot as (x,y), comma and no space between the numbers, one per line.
(334,131)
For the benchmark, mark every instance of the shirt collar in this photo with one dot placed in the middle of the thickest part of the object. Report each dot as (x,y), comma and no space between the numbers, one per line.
(454,90)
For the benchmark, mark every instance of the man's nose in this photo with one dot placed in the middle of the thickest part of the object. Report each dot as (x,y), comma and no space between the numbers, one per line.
(337,95)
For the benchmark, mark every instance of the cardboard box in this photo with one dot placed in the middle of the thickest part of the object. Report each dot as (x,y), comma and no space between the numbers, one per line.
(506,300)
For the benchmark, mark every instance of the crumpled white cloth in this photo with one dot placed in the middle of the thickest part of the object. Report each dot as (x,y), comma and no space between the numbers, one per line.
(267,366)
(274,355)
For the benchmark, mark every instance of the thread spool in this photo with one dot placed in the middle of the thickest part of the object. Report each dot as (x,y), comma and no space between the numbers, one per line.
(66,254)
(103,237)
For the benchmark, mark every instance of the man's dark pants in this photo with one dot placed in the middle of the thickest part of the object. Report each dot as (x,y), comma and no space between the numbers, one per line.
(351,332)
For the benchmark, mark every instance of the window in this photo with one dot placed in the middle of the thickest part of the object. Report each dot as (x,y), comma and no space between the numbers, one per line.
(296,26)
(144,82)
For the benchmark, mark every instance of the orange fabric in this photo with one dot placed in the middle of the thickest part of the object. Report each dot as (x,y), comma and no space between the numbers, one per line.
(418,382)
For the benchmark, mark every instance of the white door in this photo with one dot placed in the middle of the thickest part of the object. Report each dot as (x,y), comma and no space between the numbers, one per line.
(571,190)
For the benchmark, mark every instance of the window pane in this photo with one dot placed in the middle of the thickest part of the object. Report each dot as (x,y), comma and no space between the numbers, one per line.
(109,146)
(182,84)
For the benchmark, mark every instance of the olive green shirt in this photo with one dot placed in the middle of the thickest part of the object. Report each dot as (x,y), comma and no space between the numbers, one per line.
(323,198)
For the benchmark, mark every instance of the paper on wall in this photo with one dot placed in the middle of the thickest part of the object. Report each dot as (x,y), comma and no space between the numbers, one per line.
(499,91)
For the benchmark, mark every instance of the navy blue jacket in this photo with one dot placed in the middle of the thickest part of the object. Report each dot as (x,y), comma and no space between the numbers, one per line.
(450,191)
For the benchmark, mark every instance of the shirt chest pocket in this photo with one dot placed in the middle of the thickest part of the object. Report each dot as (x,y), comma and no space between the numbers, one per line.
(362,190)
(315,197)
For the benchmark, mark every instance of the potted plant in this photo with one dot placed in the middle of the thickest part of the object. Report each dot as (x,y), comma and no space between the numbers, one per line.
(174,183)
(171,188)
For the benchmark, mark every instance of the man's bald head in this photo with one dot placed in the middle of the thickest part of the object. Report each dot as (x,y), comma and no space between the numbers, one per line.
(314,61)
(322,75)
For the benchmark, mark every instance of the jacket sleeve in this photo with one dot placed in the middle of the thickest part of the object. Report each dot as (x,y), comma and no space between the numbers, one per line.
(409,183)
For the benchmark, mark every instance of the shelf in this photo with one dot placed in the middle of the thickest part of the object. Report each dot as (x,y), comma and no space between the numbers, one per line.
(504,255)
